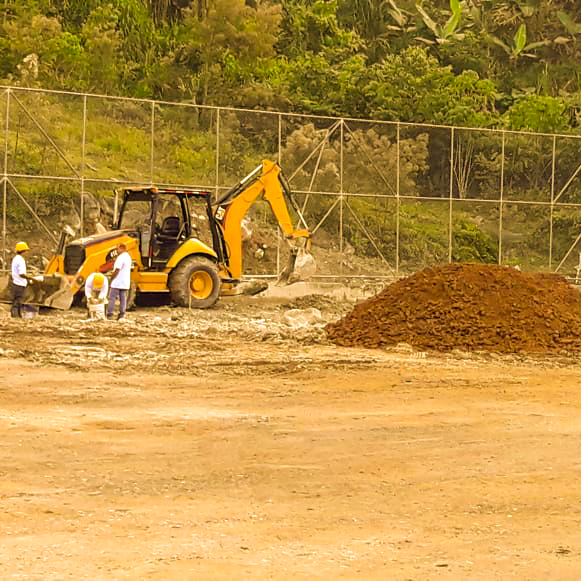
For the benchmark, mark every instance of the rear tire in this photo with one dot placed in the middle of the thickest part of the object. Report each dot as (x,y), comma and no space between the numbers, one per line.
(195,282)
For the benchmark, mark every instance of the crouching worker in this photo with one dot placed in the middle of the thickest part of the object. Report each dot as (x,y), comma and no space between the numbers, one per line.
(96,289)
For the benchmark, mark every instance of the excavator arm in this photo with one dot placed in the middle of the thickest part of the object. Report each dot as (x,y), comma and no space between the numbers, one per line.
(265,182)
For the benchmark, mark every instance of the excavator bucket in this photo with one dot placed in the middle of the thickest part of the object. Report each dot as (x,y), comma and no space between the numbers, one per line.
(300,266)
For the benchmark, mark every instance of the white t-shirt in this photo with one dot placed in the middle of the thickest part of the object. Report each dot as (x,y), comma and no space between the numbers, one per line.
(18,269)
(89,287)
(123,278)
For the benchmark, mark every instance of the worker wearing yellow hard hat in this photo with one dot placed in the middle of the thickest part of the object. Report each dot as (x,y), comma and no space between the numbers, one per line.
(96,288)
(98,280)
(19,279)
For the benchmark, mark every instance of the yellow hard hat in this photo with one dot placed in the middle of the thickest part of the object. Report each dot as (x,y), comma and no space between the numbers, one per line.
(21,246)
(98,280)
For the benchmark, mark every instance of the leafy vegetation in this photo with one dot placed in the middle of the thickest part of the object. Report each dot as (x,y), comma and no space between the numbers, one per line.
(502,64)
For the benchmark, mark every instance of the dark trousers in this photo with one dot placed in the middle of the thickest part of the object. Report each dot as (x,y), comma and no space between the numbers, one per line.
(17,300)
(115,293)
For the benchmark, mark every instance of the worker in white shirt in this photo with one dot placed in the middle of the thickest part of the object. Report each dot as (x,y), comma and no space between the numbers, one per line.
(96,288)
(19,279)
(120,282)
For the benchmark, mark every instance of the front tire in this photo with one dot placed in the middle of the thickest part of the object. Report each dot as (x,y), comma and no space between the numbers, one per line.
(195,282)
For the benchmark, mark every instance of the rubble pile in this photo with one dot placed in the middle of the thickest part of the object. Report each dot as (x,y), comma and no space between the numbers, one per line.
(470,307)
(161,339)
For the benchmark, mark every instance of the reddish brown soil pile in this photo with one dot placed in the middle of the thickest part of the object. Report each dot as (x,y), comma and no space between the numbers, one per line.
(470,307)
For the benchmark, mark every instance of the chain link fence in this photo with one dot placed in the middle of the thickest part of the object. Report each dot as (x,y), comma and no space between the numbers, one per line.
(383,199)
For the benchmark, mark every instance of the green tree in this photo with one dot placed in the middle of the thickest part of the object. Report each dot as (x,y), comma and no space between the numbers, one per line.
(311,27)
(65,63)
(225,50)
(383,26)
(450,30)
(71,13)
(30,46)
(171,11)
(535,113)
(103,44)
(414,87)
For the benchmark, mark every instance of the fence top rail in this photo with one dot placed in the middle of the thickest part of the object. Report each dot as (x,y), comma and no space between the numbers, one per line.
(8,89)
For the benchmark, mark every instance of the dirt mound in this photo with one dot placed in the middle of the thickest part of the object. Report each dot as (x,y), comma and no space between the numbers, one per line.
(470,307)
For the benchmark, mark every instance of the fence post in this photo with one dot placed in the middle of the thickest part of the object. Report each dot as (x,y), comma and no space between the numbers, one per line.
(152,144)
(451,193)
(279,159)
(397,199)
(217,184)
(83,165)
(5,196)
(501,202)
(341,204)
(552,204)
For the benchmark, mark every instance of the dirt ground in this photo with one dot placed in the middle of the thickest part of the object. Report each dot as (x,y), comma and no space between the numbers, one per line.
(226,444)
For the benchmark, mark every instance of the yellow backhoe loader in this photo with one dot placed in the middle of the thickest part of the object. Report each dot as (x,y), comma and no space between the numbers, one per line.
(156,226)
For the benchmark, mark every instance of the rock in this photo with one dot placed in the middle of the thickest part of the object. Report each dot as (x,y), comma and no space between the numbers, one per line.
(106,205)
(245,229)
(253,287)
(72,219)
(305,265)
(297,318)
(403,348)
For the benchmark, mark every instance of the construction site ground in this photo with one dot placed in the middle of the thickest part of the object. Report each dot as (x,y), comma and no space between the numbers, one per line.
(229,444)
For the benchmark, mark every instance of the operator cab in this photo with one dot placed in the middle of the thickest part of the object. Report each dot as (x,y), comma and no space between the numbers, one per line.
(161,219)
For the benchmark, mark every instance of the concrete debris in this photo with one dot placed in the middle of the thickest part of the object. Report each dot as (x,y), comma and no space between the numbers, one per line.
(296,318)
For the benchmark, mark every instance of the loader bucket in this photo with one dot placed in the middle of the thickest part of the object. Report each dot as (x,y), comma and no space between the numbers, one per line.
(5,295)
(52,291)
